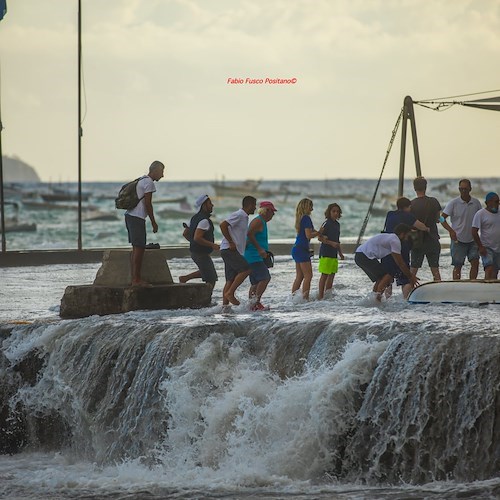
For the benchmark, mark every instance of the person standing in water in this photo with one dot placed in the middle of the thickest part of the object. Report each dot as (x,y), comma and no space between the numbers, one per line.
(486,234)
(330,250)
(300,251)
(427,210)
(461,211)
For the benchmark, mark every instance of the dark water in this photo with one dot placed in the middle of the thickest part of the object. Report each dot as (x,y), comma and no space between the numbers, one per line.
(58,229)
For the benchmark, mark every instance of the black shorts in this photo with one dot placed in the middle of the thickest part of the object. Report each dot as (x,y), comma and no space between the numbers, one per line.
(234,263)
(372,267)
(431,249)
(136,227)
(206,266)
(394,270)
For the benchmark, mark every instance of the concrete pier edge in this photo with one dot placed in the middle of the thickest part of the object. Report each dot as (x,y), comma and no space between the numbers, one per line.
(19,258)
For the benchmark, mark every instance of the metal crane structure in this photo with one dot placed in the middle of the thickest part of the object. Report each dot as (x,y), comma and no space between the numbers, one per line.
(407,114)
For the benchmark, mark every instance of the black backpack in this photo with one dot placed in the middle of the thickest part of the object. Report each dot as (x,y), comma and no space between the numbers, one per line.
(127,197)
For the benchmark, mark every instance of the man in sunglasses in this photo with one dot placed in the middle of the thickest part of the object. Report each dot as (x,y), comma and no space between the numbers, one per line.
(461,211)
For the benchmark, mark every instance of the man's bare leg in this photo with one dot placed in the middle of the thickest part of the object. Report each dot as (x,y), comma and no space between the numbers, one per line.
(382,284)
(136,258)
(474,269)
(435,273)
(191,276)
(238,280)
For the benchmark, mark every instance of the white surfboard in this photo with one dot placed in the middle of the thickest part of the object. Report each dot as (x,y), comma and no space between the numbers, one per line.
(457,291)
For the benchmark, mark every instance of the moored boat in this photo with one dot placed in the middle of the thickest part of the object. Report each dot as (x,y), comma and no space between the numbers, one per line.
(13,225)
(248,187)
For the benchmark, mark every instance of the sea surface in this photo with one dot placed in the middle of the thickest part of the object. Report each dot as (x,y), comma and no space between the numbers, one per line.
(57,228)
(341,398)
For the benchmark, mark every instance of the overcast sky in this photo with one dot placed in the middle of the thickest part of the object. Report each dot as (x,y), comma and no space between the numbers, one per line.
(156,85)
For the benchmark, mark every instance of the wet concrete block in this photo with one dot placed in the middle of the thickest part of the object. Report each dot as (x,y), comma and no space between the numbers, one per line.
(80,301)
(115,268)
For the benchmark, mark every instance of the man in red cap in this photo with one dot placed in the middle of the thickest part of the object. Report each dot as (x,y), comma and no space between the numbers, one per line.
(256,251)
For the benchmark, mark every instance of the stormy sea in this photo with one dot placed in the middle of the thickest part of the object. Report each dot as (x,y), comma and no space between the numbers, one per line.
(341,398)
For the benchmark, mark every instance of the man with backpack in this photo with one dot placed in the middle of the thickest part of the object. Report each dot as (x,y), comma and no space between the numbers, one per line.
(135,219)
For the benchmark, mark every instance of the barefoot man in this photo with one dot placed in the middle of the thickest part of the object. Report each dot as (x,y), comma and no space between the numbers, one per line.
(135,220)
(234,231)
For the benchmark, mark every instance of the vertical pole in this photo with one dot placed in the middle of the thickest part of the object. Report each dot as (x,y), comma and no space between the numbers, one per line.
(79,124)
(408,114)
(411,114)
(2,201)
(403,151)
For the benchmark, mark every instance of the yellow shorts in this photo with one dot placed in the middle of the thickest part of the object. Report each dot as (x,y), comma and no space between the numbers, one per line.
(328,265)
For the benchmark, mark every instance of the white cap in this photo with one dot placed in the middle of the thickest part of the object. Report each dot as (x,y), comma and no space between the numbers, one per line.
(200,200)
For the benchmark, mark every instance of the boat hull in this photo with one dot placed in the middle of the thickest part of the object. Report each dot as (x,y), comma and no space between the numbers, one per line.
(457,292)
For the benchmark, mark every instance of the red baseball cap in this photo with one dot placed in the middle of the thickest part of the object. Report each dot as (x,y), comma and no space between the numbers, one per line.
(268,204)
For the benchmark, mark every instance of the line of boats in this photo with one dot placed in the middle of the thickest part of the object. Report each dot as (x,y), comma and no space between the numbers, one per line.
(36,198)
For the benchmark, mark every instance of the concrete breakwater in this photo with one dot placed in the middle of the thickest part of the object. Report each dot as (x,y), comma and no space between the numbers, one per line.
(111,292)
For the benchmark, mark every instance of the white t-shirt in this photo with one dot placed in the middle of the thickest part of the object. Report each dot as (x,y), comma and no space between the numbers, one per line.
(489,228)
(461,214)
(145,185)
(204,225)
(238,227)
(380,245)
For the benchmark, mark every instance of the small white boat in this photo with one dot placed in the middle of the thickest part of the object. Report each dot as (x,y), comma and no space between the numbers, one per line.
(13,225)
(183,210)
(96,215)
(457,292)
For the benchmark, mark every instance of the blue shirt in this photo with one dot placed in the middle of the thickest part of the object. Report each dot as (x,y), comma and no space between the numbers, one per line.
(395,217)
(392,219)
(301,240)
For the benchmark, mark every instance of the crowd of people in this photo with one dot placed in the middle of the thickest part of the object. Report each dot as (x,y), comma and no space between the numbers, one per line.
(410,234)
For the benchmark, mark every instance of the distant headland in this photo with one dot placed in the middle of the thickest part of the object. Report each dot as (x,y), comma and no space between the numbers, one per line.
(16,170)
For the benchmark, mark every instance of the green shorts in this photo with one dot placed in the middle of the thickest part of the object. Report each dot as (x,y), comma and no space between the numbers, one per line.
(328,265)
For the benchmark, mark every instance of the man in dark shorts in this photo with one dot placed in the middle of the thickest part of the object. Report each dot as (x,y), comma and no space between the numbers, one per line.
(402,215)
(234,230)
(200,234)
(427,210)
(368,257)
(135,219)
